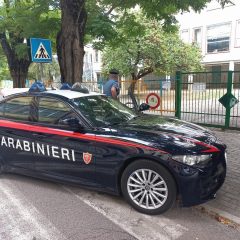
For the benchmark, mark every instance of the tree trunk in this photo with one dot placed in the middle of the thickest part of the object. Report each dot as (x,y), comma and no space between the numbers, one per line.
(70,40)
(18,67)
(135,78)
(19,72)
(131,92)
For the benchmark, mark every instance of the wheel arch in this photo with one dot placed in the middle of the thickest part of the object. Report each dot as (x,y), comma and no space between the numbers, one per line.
(134,159)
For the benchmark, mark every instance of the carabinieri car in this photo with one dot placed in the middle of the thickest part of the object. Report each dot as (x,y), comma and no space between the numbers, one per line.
(97,142)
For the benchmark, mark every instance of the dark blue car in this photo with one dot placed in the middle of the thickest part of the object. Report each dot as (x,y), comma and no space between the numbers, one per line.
(95,141)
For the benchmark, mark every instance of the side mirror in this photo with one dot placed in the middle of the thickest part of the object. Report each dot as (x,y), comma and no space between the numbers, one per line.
(143,107)
(73,123)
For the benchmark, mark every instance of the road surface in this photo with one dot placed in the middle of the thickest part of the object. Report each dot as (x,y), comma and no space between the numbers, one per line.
(32,209)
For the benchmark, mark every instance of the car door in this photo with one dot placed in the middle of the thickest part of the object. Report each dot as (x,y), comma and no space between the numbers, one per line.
(15,137)
(61,149)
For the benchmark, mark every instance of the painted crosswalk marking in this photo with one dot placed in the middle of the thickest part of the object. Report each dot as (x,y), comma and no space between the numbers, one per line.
(140,226)
(19,220)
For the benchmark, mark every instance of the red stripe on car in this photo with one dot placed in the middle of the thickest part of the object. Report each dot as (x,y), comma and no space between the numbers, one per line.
(210,148)
(65,133)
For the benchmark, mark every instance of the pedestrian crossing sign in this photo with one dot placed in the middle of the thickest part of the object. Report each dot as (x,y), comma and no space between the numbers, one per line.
(41,50)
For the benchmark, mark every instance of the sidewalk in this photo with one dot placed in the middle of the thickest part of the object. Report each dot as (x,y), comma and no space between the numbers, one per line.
(227,203)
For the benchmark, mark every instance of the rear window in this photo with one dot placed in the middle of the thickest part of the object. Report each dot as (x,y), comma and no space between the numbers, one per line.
(51,110)
(17,108)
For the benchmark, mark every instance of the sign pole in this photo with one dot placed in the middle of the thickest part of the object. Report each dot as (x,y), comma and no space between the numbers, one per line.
(229,91)
(41,71)
(41,52)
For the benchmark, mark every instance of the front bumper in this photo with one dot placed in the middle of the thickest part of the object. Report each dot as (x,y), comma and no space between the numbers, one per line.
(198,185)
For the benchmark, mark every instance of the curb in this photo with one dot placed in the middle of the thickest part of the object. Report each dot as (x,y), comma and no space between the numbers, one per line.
(220,215)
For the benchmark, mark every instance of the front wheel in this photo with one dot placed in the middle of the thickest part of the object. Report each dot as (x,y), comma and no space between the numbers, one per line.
(148,187)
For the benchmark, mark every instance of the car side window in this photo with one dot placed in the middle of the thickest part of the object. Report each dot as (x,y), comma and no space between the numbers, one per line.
(52,110)
(17,108)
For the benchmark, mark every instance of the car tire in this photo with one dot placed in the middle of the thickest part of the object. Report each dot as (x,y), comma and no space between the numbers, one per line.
(148,187)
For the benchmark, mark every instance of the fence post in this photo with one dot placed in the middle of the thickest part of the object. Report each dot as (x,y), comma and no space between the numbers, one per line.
(229,91)
(178,94)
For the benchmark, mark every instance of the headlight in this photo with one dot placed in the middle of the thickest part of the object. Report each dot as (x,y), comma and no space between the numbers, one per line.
(192,159)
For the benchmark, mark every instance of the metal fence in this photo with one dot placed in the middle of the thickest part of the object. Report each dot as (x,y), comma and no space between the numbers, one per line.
(234,120)
(209,98)
(164,88)
(191,96)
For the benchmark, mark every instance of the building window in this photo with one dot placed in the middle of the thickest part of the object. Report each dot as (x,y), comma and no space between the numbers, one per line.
(185,35)
(197,36)
(237,39)
(218,38)
(96,56)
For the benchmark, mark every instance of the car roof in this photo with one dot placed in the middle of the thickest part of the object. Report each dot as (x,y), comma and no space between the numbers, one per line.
(4,92)
(69,94)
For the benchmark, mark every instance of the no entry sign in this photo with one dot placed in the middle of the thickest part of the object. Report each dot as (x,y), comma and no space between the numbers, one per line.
(153,100)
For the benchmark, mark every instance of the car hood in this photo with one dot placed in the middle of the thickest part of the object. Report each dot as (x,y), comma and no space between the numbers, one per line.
(150,124)
(164,133)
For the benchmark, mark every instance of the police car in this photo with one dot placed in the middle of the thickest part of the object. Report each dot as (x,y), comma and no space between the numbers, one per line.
(97,142)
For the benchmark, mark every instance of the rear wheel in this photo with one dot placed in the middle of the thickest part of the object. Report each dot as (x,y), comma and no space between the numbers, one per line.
(148,187)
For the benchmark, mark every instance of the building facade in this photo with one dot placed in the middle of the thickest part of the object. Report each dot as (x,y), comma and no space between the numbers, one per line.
(92,64)
(216,31)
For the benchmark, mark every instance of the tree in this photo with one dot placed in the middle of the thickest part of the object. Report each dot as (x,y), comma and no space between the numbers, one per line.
(143,47)
(20,20)
(50,71)
(85,19)
(70,39)
(4,72)
(81,22)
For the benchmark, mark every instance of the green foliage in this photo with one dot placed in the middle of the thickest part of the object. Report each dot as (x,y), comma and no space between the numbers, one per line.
(100,26)
(109,22)
(23,19)
(143,47)
(50,70)
(104,15)
(4,72)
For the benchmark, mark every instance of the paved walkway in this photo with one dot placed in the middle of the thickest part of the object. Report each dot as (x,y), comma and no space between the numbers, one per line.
(227,202)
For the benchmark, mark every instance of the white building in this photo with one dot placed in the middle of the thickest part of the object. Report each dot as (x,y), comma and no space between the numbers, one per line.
(92,64)
(217,33)
(216,30)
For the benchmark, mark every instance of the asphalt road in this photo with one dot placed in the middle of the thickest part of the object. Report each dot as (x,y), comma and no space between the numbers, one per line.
(32,209)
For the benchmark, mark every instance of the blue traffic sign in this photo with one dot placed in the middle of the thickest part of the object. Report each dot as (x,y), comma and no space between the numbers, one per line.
(41,50)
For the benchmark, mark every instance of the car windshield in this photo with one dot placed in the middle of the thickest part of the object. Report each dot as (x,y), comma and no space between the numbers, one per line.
(103,111)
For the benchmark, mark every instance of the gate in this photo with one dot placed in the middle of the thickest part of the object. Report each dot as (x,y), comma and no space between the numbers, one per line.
(164,88)
(209,98)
